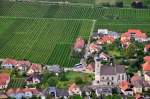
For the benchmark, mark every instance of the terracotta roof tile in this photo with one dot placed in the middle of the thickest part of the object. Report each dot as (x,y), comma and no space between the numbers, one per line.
(124,85)
(9,61)
(79,43)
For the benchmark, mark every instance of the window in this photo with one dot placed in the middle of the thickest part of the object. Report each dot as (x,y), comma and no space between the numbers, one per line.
(119,77)
(97,81)
(122,77)
(103,78)
(112,78)
(108,83)
(107,78)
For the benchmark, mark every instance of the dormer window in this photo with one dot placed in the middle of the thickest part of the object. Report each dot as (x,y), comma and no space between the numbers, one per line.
(133,34)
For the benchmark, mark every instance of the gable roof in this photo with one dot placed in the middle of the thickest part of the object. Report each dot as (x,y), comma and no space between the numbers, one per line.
(79,43)
(72,87)
(147,58)
(9,61)
(147,46)
(24,63)
(90,67)
(93,46)
(146,66)
(112,70)
(55,69)
(124,85)
(138,33)
(36,67)
(106,39)
(4,77)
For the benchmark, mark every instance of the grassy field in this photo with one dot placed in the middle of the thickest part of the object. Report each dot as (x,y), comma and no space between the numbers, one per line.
(46,41)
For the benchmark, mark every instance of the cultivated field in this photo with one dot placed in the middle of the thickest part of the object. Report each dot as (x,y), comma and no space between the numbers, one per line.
(68,11)
(44,33)
(45,41)
(16,83)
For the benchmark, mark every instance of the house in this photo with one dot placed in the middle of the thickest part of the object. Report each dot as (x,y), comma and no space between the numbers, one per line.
(90,67)
(56,69)
(104,56)
(4,80)
(79,44)
(58,93)
(147,48)
(146,65)
(101,32)
(52,91)
(19,93)
(137,34)
(106,39)
(74,89)
(103,91)
(33,79)
(15,93)
(94,48)
(3,95)
(9,63)
(62,93)
(125,88)
(138,83)
(34,68)
(108,75)
(86,90)
(147,77)
(23,65)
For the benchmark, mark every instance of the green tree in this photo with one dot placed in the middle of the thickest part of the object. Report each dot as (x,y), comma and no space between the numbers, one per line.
(130,52)
(75,97)
(78,80)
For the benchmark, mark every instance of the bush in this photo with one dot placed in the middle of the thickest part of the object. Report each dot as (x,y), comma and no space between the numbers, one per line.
(78,80)
(119,4)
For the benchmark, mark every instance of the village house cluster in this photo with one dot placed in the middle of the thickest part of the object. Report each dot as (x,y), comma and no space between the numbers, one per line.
(108,74)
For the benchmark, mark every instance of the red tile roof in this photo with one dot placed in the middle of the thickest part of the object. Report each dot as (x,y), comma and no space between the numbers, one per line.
(124,85)
(27,63)
(127,35)
(10,91)
(93,46)
(79,43)
(147,46)
(135,78)
(90,67)
(106,39)
(146,66)
(22,90)
(72,87)
(36,67)
(4,77)
(9,61)
(147,58)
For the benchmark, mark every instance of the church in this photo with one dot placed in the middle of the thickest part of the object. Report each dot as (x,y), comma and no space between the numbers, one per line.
(108,75)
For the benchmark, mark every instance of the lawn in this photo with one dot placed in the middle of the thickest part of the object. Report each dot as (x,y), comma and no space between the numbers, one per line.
(45,41)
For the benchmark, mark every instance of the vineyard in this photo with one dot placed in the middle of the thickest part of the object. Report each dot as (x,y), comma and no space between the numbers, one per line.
(16,83)
(46,41)
(38,10)
(44,33)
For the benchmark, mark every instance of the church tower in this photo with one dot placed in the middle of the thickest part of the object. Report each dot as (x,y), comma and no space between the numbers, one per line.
(97,70)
